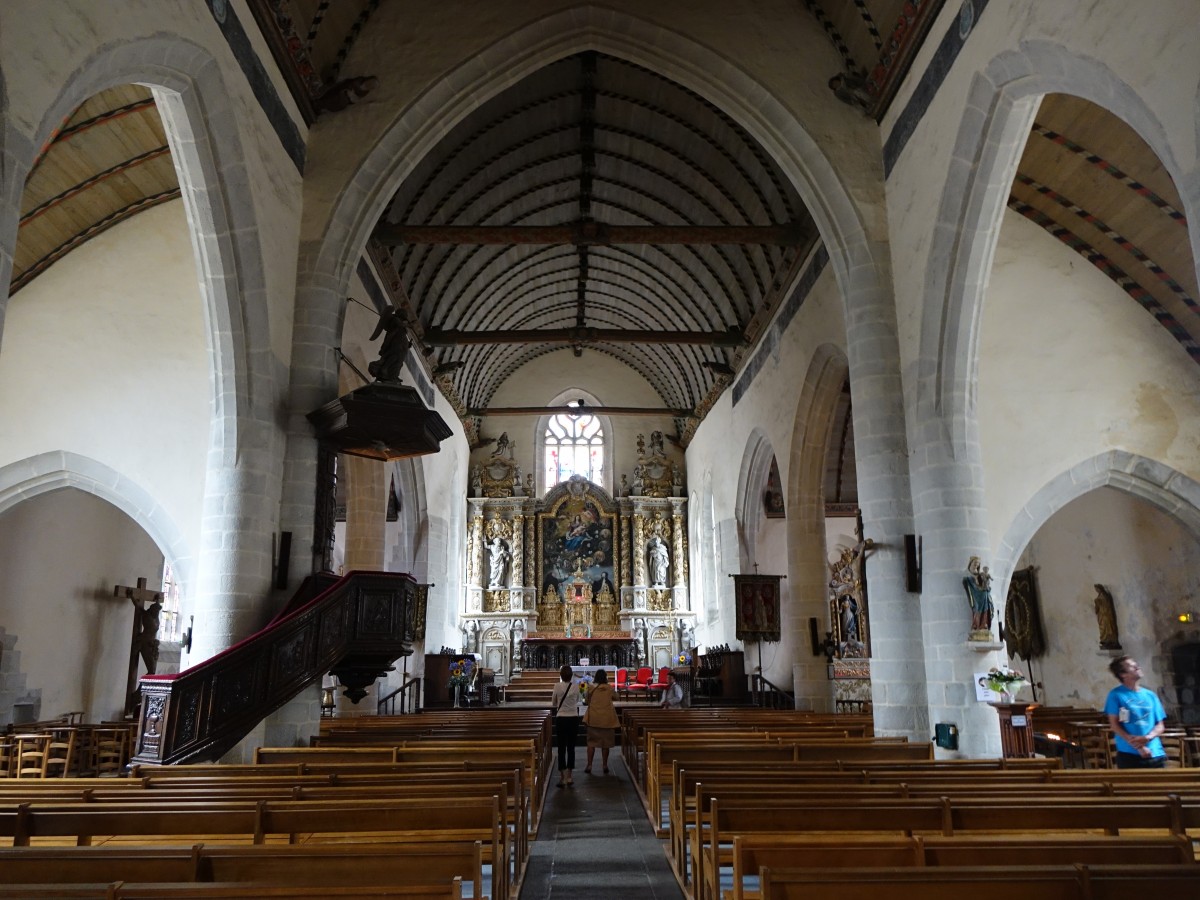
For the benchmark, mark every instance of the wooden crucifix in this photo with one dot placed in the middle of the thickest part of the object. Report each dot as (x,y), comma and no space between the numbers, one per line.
(147,605)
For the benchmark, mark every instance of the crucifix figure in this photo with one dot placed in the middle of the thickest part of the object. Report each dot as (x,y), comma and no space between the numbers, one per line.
(147,605)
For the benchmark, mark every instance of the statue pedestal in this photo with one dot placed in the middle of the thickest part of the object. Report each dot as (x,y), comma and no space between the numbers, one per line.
(1016,729)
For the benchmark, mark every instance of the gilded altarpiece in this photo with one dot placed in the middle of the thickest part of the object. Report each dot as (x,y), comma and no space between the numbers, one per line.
(577,565)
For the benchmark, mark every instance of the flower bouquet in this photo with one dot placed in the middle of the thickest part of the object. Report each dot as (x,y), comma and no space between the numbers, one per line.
(1005,681)
(461,671)
(683,659)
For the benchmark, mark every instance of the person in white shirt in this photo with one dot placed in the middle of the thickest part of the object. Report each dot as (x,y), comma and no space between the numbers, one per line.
(565,704)
(673,695)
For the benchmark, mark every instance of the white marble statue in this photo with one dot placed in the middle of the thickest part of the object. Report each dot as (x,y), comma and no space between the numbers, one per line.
(660,562)
(498,557)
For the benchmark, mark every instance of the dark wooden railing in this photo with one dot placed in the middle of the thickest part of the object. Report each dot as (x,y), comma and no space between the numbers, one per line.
(402,701)
(355,627)
(770,695)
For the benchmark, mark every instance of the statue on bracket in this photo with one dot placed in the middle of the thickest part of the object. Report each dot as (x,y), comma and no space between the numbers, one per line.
(978,586)
(1106,618)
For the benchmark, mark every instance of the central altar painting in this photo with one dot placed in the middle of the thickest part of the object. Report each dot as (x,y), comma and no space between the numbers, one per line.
(577,550)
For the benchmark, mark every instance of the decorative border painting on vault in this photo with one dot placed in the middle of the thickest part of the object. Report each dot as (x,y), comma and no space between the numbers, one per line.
(577,534)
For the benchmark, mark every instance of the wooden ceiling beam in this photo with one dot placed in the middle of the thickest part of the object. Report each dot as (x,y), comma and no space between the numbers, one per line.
(595,234)
(437,337)
(671,412)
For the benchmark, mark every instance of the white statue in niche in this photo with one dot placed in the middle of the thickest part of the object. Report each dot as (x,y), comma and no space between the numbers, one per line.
(498,557)
(660,562)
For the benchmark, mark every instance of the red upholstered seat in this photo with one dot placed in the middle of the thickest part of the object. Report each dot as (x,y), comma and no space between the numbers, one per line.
(622,682)
(641,683)
(660,683)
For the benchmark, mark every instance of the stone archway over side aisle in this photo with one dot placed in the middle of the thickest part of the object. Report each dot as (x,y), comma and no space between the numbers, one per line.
(55,471)
(811,435)
(1163,487)
(985,157)
(232,573)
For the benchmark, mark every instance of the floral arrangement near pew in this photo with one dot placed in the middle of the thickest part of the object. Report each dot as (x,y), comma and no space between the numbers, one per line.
(683,659)
(1005,681)
(461,671)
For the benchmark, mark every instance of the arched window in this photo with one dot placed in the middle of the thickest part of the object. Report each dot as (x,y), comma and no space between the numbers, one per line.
(573,444)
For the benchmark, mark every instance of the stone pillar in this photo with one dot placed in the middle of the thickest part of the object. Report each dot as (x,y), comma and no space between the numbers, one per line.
(952,521)
(881,455)
(234,565)
(366,512)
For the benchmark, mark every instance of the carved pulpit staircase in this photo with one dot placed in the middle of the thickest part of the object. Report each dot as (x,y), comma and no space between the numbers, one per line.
(355,626)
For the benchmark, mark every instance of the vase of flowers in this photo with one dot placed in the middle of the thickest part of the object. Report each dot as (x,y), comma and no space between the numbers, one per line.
(461,671)
(1006,682)
(683,659)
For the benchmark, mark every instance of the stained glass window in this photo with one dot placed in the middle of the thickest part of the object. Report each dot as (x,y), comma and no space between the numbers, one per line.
(574,445)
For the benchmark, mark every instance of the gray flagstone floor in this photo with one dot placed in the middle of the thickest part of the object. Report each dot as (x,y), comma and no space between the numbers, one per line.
(595,842)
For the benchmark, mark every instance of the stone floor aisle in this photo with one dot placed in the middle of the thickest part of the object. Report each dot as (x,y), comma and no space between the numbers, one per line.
(596,843)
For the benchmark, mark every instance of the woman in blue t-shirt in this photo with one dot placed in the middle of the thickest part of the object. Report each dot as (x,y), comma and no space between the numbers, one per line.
(1136,716)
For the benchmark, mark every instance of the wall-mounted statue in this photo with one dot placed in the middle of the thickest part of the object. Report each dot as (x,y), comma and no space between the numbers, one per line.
(1106,618)
(659,561)
(498,557)
(978,585)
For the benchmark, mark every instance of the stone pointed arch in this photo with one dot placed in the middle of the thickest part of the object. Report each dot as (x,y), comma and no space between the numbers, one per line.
(412,553)
(15,148)
(198,115)
(331,260)
(54,471)
(1004,98)
(812,432)
(756,463)
(1163,487)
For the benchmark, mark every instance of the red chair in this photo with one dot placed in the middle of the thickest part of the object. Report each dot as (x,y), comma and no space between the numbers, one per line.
(641,682)
(660,683)
(622,683)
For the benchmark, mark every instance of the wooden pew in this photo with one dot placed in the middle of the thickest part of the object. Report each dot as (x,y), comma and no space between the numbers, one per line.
(311,865)
(725,819)
(751,852)
(426,820)
(120,890)
(981,883)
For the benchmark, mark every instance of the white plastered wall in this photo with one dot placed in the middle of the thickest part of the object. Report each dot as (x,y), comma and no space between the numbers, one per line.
(541,380)
(768,409)
(1148,561)
(61,554)
(1071,366)
(105,356)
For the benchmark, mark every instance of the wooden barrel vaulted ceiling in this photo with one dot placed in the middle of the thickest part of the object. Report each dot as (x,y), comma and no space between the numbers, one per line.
(597,152)
(107,162)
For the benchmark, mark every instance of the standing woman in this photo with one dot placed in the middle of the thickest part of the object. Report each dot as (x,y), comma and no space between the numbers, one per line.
(601,720)
(566,724)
